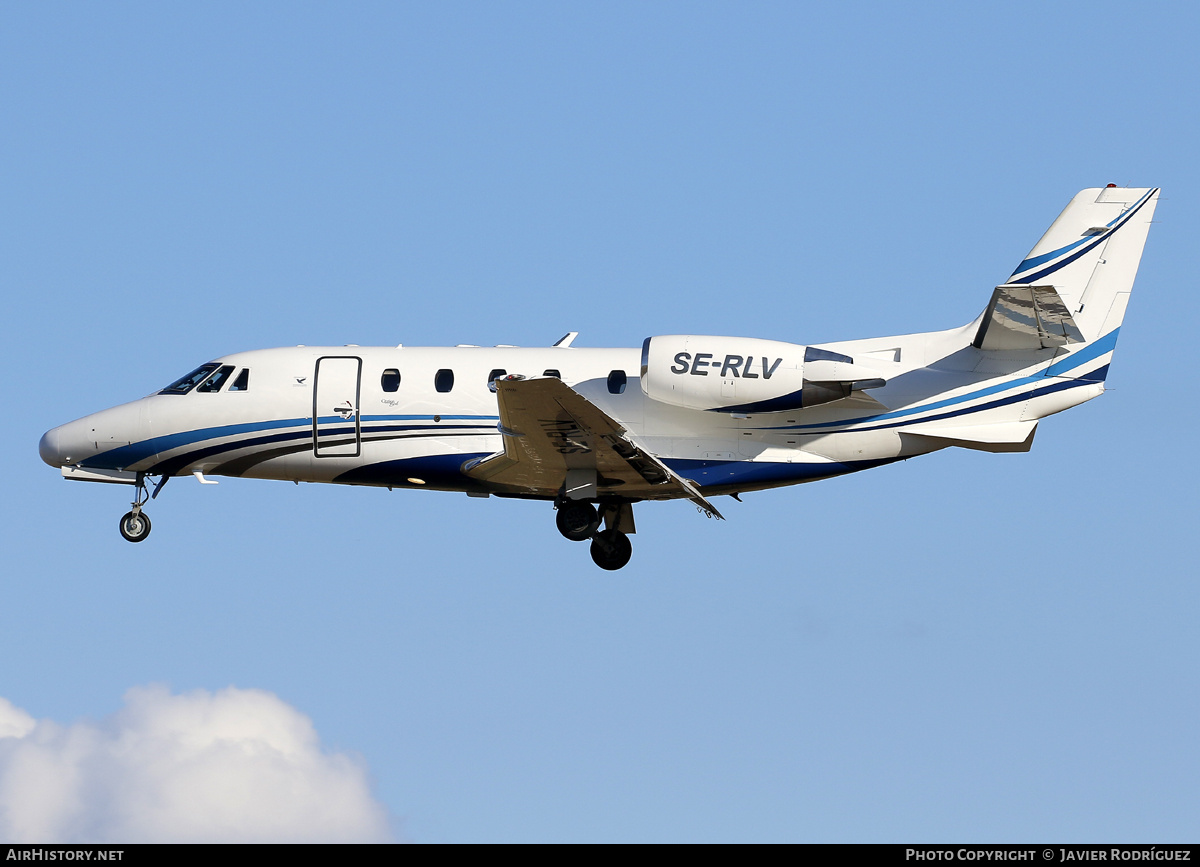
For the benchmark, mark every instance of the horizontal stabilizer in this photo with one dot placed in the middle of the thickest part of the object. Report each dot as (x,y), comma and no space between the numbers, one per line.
(1015,436)
(1026,317)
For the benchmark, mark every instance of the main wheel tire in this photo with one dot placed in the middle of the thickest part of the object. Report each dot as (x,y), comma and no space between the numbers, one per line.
(577,520)
(611,550)
(135,528)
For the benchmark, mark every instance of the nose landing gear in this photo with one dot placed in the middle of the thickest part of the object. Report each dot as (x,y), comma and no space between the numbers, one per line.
(135,524)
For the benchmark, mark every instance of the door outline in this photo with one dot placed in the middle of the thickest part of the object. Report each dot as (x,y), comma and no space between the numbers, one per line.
(322,447)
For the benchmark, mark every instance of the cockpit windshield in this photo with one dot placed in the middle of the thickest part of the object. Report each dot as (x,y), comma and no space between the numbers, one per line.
(186,383)
(214,382)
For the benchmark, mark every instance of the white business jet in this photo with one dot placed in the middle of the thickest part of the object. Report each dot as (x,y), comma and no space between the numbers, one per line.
(594,431)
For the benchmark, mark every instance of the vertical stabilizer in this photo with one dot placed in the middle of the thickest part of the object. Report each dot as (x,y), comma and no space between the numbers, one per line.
(1090,256)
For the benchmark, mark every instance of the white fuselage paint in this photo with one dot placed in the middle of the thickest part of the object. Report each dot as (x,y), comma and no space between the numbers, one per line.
(419,436)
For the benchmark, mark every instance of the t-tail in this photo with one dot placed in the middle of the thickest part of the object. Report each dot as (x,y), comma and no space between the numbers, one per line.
(1071,291)
(1049,331)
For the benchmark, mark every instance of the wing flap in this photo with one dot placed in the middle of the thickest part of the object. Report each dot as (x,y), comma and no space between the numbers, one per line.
(552,433)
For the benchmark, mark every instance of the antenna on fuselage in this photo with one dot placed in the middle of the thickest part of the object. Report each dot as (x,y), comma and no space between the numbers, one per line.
(566,340)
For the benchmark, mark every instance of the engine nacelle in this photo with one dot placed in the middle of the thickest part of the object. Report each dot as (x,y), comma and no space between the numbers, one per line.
(746,374)
(725,373)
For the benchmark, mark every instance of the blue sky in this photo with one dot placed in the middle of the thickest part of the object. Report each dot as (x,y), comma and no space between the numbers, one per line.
(959,647)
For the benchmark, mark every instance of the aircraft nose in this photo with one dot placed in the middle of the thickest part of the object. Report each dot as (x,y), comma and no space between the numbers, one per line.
(50,447)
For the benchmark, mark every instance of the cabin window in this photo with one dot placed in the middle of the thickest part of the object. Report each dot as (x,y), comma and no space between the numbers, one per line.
(242,383)
(443,381)
(214,382)
(616,382)
(390,380)
(498,373)
(186,383)
(552,372)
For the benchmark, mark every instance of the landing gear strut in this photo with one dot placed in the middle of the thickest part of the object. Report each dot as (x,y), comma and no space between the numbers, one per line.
(135,525)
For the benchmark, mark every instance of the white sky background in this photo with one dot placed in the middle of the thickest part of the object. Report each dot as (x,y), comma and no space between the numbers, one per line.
(963,646)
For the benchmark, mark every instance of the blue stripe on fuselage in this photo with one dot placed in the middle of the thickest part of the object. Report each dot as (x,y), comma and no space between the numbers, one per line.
(747,473)
(134,453)
(433,471)
(1090,352)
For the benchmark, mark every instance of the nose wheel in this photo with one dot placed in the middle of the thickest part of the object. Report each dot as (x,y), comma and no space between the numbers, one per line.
(135,526)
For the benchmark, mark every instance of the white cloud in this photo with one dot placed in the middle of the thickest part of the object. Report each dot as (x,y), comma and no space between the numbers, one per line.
(232,766)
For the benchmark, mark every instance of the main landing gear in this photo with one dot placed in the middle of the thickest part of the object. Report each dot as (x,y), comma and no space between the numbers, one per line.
(611,549)
(135,525)
(579,520)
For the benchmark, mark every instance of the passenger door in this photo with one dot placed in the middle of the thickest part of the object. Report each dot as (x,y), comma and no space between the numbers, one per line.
(337,428)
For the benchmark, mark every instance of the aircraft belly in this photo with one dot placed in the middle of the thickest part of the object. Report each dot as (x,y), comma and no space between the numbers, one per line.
(697,448)
(856,445)
(738,476)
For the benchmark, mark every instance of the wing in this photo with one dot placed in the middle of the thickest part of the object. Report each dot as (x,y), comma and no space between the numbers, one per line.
(557,441)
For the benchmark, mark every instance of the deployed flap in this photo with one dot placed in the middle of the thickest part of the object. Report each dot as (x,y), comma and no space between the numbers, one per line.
(1015,436)
(1026,317)
(552,431)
